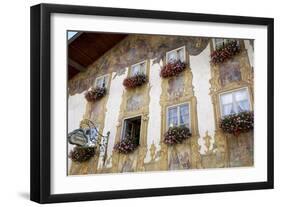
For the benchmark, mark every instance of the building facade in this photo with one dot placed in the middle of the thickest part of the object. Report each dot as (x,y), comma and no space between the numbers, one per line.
(197,98)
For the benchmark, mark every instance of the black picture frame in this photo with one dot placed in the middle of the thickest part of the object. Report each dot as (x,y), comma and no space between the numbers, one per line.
(41,102)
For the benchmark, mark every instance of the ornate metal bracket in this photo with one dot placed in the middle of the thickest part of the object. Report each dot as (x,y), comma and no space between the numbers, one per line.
(85,138)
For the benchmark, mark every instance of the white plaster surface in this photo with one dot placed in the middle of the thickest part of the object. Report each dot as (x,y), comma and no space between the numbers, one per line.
(76,109)
(112,109)
(200,66)
(154,123)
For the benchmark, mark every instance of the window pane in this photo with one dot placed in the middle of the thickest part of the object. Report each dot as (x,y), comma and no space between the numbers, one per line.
(181,54)
(242,100)
(243,106)
(184,115)
(172,56)
(235,102)
(129,131)
(241,95)
(219,43)
(103,82)
(125,127)
(227,109)
(135,70)
(172,117)
(99,82)
(227,104)
(142,68)
(226,98)
(106,79)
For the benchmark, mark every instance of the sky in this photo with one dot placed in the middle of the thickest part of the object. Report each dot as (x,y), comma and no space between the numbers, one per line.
(70,34)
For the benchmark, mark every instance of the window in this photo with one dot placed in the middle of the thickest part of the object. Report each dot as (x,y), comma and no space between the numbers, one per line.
(177,54)
(178,116)
(131,129)
(102,81)
(139,68)
(234,102)
(220,42)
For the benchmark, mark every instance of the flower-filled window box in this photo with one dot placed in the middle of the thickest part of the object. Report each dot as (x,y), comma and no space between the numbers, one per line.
(178,124)
(131,136)
(225,52)
(81,154)
(136,75)
(172,69)
(126,146)
(238,123)
(176,135)
(175,63)
(95,94)
(135,81)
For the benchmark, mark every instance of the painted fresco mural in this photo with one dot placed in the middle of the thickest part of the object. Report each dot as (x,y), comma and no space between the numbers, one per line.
(229,72)
(217,150)
(130,51)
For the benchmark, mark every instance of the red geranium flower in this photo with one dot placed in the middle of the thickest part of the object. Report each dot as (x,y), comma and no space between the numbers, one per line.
(176,135)
(238,123)
(172,69)
(224,53)
(135,81)
(95,94)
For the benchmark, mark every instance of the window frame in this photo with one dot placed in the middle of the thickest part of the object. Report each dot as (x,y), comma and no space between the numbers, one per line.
(102,76)
(179,48)
(178,113)
(231,91)
(145,68)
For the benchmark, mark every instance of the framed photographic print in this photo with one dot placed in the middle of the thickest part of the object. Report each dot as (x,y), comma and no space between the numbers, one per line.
(133,103)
